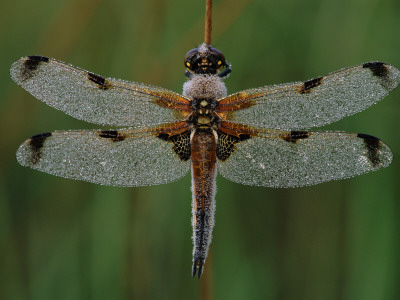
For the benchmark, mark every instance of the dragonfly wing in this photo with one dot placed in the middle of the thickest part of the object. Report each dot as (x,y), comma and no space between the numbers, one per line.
(277,158)
(109,157)
(93,98)
(315,102)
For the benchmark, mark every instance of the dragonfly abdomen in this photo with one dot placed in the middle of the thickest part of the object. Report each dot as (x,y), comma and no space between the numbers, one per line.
(203,149)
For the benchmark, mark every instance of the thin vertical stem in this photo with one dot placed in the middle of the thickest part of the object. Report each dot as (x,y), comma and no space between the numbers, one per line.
(208,21)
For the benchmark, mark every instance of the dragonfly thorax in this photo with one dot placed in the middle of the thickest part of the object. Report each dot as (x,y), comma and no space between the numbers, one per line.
(201,86)
(203,113)
(203,119)
(204,104)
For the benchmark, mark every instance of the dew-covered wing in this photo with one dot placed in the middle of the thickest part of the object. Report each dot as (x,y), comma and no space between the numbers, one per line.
(109,157)
(276,158)
(315,102)
(93,98)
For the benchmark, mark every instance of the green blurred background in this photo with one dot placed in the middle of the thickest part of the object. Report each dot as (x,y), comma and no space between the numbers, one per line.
(64,239)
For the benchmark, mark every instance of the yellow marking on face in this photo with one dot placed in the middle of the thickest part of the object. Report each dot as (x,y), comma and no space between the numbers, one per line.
(219,63)
(203,103)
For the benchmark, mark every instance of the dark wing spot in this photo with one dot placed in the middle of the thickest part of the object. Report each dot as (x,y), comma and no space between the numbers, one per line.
(30,66)
(294,136)
(36,143)
(379,69)
(243,137)
(226,144)
(181,143)
(114,135)
(99,80)
(163,136)
(310,84)
(373,145)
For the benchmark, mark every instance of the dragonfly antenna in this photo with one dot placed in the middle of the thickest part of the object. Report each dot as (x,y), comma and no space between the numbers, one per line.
(208,21)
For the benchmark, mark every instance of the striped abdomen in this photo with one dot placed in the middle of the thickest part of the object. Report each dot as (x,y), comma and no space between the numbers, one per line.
(203,150)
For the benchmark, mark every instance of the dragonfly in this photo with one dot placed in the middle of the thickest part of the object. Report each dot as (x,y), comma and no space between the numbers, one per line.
(255,137)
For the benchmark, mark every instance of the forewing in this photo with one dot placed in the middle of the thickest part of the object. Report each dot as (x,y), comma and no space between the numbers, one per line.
(315,102)
(93,98)
(277,158)
(107,157)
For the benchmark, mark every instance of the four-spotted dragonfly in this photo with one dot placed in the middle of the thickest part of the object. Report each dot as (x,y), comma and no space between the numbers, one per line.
(253,137)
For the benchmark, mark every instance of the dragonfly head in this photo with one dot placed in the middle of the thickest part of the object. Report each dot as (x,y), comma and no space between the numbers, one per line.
(205,59)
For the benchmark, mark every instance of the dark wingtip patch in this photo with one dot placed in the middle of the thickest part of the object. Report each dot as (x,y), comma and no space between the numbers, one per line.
(378,69)
(30,65)
(99,80)
(36,143)
(373,145)
(294,136)
(310,84)
(36,59)
(114,135)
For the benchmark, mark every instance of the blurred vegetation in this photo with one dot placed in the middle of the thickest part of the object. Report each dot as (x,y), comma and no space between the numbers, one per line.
(64,239)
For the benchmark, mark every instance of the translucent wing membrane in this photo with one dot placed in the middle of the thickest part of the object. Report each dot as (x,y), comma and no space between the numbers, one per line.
(276,158)
(315,102)
(93,98)
(107,157)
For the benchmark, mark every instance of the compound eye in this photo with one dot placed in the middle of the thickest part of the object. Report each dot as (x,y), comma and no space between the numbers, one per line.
(218,58)
(190,55)
(204,60)
(217,53)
